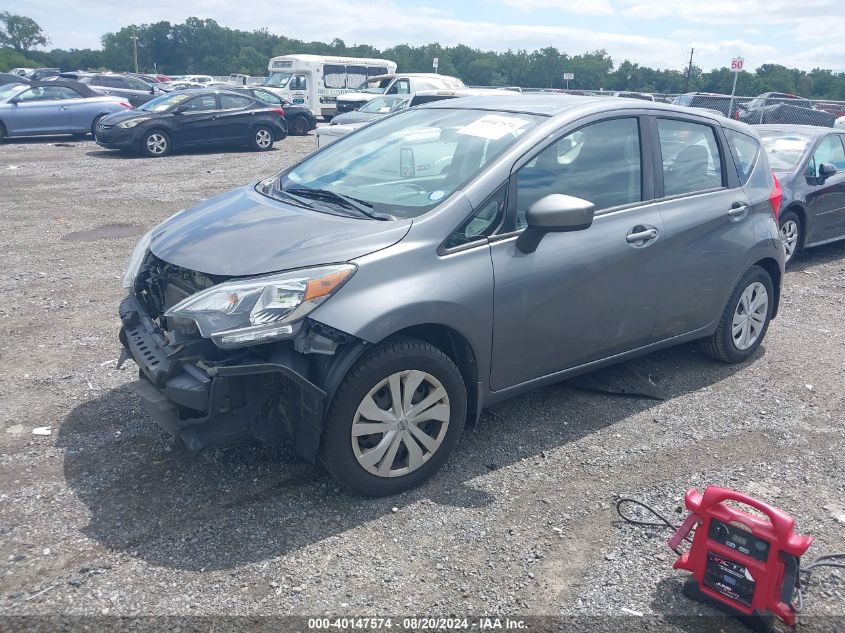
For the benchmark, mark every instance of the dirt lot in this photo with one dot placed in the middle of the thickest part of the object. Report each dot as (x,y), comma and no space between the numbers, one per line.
(101,518)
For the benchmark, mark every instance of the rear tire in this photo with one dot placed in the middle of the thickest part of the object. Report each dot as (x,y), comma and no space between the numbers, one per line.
(745,320)
(262,139)
(792,235)
(394,456)
(2,133)
(299,126)
(155,144)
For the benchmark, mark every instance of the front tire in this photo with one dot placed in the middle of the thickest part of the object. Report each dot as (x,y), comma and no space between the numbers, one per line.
(395,418)
(262,139)
(791,234)
(299,126)
(156,144)
(95,123)
(745,320)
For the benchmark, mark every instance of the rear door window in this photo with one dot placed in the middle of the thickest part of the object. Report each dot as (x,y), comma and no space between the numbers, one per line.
(691,158)
(113,82)
(202,104)
(746,150)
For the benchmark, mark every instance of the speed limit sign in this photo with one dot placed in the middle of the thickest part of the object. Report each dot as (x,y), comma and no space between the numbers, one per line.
(736,64)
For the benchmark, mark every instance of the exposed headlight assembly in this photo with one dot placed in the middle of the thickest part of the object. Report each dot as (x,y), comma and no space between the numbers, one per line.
(135,261)
(260,309)
(132,122)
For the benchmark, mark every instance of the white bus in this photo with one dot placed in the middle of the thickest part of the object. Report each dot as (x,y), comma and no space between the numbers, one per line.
(315,80)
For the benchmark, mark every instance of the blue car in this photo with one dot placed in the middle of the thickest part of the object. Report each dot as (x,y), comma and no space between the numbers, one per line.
(53,107)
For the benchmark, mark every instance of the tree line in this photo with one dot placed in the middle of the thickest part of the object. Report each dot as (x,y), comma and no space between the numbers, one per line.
(204,46)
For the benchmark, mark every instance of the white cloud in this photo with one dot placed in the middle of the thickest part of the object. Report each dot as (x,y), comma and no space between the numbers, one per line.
(580,7)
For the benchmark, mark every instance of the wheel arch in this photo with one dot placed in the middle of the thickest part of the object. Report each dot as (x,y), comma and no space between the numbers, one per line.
(772,267)
(158,128)
(801,211)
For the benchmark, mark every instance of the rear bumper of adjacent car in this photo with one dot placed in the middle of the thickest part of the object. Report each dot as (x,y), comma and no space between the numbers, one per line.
(206,403)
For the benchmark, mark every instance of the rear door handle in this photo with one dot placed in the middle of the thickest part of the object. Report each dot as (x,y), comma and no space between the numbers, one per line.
(738,210)
(641,236)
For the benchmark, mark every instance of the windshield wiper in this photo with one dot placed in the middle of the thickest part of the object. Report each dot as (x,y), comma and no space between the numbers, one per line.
(350,203)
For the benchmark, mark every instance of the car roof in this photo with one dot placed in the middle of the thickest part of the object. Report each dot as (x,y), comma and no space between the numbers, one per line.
(81,88)
(808,130)
(554,104)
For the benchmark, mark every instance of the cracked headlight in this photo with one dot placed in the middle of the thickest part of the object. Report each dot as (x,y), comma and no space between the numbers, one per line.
(132,122)
(260,309)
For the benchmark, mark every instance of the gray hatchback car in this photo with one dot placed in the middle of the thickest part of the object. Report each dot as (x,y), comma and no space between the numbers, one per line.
(369,301)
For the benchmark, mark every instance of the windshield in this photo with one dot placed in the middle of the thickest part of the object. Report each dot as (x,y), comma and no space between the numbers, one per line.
(374,86)
(401,166)
(384,105)
(784,150)
(165,102)
(277,80)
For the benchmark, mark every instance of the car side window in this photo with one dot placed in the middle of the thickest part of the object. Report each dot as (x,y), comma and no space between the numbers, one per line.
(400,87)
(41,93)
(601,162)
(201,104)
(113,82)
(746,150)
(298,83)
(136,84)
(233,102)
(482,223)
(691,159)
(830,150)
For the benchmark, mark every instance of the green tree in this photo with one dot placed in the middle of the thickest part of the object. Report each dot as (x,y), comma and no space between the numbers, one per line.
(20,32)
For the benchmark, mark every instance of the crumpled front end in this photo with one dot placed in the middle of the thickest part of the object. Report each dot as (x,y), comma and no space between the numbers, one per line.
(207,396)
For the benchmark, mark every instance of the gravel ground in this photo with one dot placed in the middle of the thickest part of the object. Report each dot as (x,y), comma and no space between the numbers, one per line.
(101,518)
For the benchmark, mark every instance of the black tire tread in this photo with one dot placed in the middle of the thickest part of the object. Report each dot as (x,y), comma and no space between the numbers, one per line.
(800,245)
(392,348)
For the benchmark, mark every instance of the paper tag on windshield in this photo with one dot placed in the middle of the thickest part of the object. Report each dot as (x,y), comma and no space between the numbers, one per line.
(493,126)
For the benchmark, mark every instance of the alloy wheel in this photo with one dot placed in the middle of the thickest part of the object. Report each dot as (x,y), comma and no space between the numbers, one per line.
(400,423)
(156,144)
(750,316)
(789,237)
(263,138)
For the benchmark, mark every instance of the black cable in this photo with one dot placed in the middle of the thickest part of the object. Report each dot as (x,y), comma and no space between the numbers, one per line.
(664,522)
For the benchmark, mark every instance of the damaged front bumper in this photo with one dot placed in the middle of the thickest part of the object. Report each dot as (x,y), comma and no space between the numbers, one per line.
(205,402)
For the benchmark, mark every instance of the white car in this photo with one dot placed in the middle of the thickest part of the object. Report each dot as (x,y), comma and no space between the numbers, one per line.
(395,84)
(198,79)
(840,122)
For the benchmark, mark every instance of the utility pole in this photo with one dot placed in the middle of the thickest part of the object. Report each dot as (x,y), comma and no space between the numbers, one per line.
(689,69)
(135,43)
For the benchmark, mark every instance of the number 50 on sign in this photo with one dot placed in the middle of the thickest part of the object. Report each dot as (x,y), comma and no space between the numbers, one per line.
(736,64)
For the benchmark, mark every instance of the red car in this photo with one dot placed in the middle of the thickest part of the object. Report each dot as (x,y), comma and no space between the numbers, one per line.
(836,109)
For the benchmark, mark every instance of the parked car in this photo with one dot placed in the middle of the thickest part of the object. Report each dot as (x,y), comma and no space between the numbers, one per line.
(21,71)
(390,84)
(642,96)
(779,107)
(129,87)
(379,107)
(837,109)
(369,299)
(810,163)
(840,122)
(193,118)
(197,79)
(12,78)
(53,107)
(708,101)
(300,120)
(178,84)
(39,74)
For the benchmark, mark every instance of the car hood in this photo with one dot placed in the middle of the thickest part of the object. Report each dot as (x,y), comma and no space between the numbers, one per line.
(126,115)
(242,233)
(357,96)
(355,117)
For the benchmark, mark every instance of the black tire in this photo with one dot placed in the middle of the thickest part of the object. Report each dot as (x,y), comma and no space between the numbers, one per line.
(146,144)
(94,124)
(722,345)
(299,126)
(328,117)
(2,132)
(395,355)
(791,216)
(262,139)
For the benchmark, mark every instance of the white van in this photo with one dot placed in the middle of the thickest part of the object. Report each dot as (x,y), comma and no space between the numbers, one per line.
(393,84)
(315,81)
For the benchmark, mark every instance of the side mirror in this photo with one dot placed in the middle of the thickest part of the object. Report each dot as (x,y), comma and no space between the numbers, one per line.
(555,213)
(826,170)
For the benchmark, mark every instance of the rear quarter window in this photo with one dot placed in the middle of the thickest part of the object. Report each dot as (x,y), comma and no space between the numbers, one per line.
(746,151)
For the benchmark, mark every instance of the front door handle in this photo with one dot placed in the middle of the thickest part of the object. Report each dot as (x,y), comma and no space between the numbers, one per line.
(738,211)
(641,236)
